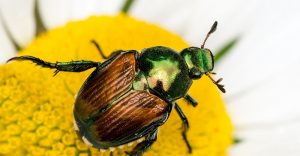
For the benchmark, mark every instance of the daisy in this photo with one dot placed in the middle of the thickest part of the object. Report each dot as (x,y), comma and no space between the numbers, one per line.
(258,71)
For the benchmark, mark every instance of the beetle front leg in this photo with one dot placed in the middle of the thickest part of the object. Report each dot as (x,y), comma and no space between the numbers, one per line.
(190,100)
(186,126)
(73,66)
(140,148)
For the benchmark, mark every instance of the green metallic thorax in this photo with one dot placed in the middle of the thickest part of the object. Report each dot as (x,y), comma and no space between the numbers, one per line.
(165,71)
(140,82)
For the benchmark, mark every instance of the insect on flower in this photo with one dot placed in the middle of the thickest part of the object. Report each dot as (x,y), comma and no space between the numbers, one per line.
(128,96)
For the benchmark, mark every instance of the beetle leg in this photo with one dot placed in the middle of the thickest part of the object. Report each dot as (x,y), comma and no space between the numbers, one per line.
(99,49)
(185,126)
(111,153)
(101,52)
(72,66)
(190,100)
(140,148)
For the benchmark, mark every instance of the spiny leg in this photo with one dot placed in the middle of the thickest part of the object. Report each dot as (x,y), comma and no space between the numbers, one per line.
(186,126)
(99,49)
(101,52)
(140,148)
(73,66)
(190,100)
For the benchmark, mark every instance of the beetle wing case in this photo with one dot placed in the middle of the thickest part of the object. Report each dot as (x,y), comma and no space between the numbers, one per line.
(108,82)
(109,112)
(128,119)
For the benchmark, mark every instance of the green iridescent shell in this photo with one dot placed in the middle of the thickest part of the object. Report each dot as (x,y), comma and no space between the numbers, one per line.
(165,71)
(200,58)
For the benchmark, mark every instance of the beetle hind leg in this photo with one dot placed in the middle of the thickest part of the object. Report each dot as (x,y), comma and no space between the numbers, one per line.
(185,126)
(72,66)
(140,148)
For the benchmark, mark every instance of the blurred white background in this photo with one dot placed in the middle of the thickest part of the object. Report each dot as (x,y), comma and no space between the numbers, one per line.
(261,72)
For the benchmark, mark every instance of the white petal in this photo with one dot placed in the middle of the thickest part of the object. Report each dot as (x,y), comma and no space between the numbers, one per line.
(58,12)
(18,16)
(7,49)
(282,139)
(193,19)
(232,16)
(271,101)
(83,9)
(171,14)
(55,12)
(261,76)
(265,66)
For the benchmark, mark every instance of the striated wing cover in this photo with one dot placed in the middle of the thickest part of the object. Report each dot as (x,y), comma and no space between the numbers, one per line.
(108,82)
(131,114)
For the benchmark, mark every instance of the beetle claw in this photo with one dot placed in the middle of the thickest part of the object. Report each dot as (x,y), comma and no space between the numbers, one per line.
(55,72)
(185,127)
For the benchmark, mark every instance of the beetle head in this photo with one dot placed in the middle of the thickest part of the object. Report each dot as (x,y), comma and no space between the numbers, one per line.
(201,60)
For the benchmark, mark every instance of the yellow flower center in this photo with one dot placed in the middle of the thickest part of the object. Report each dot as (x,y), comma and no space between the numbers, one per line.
(36,115)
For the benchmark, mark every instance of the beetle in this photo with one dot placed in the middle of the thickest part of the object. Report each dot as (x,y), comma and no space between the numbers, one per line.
(129,95)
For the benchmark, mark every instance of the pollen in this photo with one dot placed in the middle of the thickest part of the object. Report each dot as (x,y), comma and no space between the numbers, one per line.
(36,115)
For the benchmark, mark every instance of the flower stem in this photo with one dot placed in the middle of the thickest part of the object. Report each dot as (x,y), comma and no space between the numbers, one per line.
(126,6)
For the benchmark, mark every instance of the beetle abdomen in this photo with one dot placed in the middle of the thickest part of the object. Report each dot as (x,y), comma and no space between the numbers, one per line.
(105,85)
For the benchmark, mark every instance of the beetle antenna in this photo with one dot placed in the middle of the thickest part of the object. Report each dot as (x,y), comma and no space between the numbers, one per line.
(212,29)
(220,86)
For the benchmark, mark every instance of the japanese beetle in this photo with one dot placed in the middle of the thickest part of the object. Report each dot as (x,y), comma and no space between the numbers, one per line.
(128,96)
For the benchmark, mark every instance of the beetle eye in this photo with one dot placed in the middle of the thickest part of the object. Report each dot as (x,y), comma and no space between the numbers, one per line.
(195,73)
